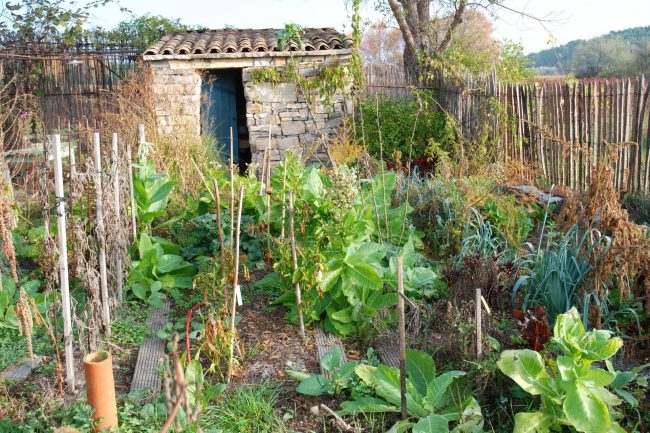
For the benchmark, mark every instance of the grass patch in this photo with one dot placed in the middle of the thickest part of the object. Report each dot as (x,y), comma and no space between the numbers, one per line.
(249,409)
(14,346)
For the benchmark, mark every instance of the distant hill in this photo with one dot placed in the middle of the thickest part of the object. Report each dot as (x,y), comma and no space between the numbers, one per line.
(617,53)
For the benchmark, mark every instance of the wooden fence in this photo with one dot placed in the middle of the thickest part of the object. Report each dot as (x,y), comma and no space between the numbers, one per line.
(560,128)
(71,83)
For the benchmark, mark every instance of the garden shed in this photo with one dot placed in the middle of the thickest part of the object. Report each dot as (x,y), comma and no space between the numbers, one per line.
(249,80)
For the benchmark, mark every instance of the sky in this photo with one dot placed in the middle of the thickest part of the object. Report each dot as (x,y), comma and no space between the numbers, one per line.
(568,19)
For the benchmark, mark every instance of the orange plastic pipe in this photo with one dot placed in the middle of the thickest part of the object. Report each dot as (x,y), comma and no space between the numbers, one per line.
(100,386)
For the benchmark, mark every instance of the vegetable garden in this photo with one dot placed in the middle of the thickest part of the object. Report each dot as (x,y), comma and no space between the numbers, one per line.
(254,265)
(413,285)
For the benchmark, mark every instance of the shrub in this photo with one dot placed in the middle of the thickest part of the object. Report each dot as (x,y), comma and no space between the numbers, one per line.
(402,121)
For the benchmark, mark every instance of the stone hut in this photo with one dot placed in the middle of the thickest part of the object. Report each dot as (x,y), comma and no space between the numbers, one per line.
(217,81)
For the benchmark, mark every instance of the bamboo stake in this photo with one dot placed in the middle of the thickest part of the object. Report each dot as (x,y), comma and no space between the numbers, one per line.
(294,254)
(235,290)
(402,334)
(63,264)
(116,187)
(99,208)
(479,329)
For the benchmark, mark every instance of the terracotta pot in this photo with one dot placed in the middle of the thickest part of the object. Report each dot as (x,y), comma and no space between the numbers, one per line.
(100,386)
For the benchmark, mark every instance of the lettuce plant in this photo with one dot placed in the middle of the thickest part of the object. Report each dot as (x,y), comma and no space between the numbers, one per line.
(573,392)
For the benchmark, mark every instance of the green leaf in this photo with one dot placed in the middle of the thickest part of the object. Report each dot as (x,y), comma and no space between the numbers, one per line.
(597,377)
(437,389)
(170,263)
(297,375)
(365,276)
(314,385)
(532,422)
(343,374)
(330,278)
(585,410)
(471,420)
(366,374)
(420,368)
(526,367)
(332,359)
(432,424)
(367,405)
(400,427)
(270,281)
(343,316)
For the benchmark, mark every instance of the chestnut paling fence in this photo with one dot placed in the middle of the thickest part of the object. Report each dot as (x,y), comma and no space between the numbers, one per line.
(561,128)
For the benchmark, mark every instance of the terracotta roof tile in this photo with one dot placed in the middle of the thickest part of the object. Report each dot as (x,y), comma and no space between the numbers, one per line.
(245,40)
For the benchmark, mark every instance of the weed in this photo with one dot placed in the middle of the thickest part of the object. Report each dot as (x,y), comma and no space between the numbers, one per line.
(249,409)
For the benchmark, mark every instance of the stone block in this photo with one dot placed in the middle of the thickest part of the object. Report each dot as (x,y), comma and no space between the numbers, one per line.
(267,92)
(287,142)
(293,127)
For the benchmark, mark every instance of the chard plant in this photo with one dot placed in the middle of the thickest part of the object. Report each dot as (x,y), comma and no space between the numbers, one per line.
(573,391)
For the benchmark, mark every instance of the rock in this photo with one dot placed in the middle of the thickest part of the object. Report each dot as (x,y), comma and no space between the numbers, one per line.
(315,410)
(296,365)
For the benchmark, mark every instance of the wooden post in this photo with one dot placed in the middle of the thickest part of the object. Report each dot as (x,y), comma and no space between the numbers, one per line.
(479,329)
(63,263)
(129,162)
(402,334)
(116,187)
(235,292)
(294,254)
(99,206)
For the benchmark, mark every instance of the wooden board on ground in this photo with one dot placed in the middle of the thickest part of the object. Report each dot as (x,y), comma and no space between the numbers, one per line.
(19,372)
(324,342)
(387,347)
(151,353)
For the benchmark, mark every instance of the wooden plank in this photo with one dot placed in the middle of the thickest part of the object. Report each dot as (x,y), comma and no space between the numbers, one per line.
(151,353)
(324,342)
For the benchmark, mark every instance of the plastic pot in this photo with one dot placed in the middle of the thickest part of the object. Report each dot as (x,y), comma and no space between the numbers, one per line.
(98,367)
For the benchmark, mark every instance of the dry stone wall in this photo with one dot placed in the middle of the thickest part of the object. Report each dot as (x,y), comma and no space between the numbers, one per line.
(177,96)
(296,124)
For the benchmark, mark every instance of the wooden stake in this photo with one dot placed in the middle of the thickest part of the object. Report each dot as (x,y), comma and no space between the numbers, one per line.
(284,188)
(232,191)
(220,232)
(116,187)
(99,207)
(235,290)
(131,194)
(294,254)
(479,329)
(402,334)
(63,263)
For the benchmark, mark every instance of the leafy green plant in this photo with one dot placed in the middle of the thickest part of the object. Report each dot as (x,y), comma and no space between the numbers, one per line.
(512,221)
(479,237)
(158,269)
(402,123)
(151,191)
(558,272)
(319,384)
(430,401)
(573,392)
(9,294)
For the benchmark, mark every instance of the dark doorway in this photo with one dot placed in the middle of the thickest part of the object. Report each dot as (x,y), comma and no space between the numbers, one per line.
(223,107)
